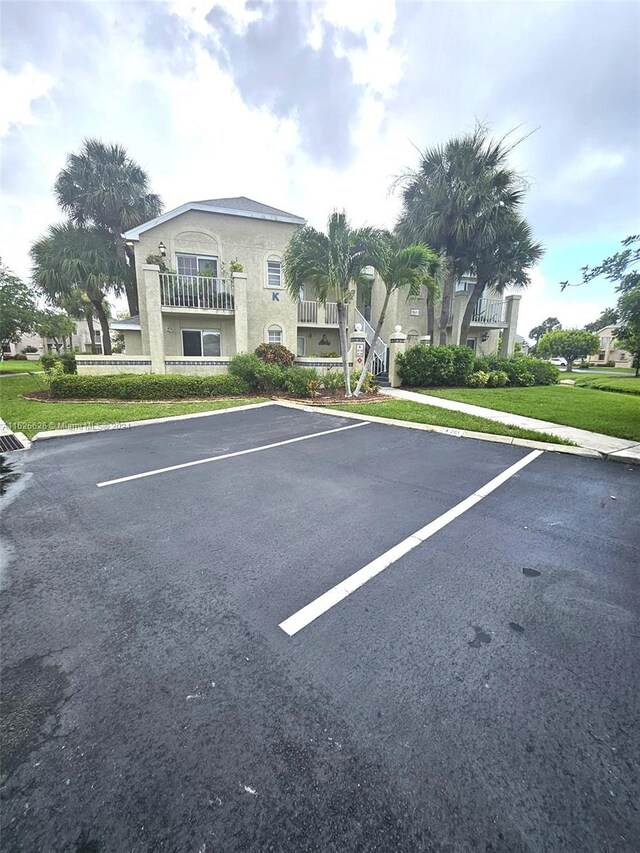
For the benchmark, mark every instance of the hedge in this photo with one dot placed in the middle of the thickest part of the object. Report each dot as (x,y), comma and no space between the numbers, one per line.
(144,387)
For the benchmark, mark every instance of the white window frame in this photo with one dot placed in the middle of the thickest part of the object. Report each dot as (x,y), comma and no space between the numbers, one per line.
(276,330)
(202,332)
(273,259)
(301,351)
(198,258)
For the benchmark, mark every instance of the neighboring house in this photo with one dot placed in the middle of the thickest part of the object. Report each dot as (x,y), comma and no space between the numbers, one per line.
(521,344)
(609,353)
(195,314)
(80,341)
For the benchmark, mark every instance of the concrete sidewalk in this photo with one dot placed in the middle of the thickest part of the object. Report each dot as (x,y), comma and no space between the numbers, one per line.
(621,449)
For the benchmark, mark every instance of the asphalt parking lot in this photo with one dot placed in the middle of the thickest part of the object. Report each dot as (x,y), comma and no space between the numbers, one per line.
(184,668)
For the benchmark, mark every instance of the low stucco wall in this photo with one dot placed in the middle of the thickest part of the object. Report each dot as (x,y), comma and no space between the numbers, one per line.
(96,365)
(197,365)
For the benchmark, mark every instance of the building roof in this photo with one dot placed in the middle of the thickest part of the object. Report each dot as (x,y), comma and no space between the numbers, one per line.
(129,324)
(235,206)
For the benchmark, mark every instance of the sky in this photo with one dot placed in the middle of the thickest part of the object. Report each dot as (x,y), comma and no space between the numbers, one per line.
(313,106)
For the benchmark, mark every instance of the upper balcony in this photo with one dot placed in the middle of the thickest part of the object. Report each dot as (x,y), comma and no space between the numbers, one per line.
(196,293)
(312,313)
(488,312)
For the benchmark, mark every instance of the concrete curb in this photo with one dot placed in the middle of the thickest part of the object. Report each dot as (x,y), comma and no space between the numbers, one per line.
(458,433)
(63,433)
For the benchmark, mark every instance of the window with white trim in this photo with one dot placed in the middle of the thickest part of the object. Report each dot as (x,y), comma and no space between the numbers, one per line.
(197,265)
(201,342)
(274,335)
(274,273)
(301,348)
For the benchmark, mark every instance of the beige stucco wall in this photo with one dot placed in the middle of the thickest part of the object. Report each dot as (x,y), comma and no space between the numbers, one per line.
(174,323)
(313,335)
(133,342)
(250,241)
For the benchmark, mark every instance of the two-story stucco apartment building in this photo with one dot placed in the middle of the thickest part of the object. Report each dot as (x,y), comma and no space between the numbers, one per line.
(222,292)
(609,352)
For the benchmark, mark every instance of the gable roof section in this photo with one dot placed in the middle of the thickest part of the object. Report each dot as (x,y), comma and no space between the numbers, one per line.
(236,206)
(129,324)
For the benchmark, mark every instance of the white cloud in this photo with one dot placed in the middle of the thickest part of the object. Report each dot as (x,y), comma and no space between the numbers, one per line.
(543,299)
(19,91)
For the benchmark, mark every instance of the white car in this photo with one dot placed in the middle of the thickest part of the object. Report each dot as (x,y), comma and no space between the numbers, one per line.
(558,361)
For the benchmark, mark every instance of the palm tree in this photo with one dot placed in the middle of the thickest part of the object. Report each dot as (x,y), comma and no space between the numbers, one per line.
(333,263)
(69,257)
(103,187)
(454,200)
(78,306)
(505,262)
(407,268)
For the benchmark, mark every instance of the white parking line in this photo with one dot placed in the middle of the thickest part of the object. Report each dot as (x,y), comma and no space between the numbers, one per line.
(336,594)
(227,455)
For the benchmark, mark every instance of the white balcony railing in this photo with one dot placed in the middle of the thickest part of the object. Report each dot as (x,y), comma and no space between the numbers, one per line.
(307,311)
(489,311)
(331,313)
(196,292)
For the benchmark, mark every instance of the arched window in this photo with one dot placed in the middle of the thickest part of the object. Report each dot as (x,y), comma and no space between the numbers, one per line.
(274,335)
(273,271)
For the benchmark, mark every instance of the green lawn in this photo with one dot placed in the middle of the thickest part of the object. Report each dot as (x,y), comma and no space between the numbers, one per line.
(571,405)
(612,371)
(404,410)
(622,384)
(19,366)
(31,416)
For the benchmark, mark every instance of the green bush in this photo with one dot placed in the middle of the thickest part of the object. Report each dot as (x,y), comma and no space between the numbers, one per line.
(480,363)
(66,360)
(333,380)
(478,379)
(270,378)
(422,366)
(497,379)
(144,387)
(543,372)
(301,381)
(369,386)
(246,366)
(19,357)
(30,349)
(275,354)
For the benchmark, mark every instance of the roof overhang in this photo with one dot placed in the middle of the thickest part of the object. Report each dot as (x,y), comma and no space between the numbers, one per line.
(134,233)
(125,327)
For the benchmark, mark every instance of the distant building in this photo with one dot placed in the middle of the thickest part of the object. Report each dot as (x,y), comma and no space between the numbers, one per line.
(609,353)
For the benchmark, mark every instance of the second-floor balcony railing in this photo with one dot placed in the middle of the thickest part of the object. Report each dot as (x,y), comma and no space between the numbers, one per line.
(201,293)
(489,311)
(308,313)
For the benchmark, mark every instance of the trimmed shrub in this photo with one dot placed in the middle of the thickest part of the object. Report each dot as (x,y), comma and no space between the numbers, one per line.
(497,379)
(480,363)
(543,372)
(270,378)
(246,366)
(19,357)
(442,365)
(275,354)
(145,387)
(301,381)
(369,386)
(478,379)
(66,360)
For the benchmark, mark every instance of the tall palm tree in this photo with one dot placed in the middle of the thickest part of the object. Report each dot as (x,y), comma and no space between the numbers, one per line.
(333,263)
(103,187)
(407,268)
(505,262)
(453,202)
(78,306)
(69,257)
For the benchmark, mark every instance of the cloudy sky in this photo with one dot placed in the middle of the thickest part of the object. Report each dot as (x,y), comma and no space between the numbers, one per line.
(310,106)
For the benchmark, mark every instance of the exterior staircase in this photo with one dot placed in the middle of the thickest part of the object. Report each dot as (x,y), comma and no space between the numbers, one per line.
(380,354)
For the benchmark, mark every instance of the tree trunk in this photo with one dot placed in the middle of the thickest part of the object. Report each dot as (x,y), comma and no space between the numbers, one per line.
(476,293)
(376,338)
(342,328)
(431,321)
(447,295)
(92,331)
(101,314)
(569,365)
(130,285)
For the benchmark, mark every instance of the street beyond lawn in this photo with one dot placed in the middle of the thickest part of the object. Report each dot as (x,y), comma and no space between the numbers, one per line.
(172,682)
